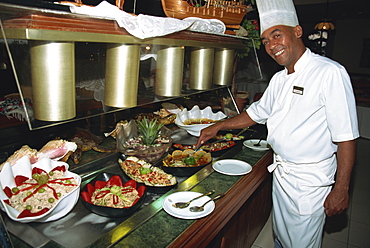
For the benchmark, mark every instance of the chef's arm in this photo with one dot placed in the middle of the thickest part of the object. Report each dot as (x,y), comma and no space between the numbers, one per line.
(242,120)
(338,198)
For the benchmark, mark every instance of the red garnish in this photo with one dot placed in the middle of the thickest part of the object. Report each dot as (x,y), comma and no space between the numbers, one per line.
(90,189)
(101,194)
(54,191)
(141,190)
(131,183)
(36,170)
(27,213)
(86,196)
(8,192)
(99,184)
(114,180)
(115,199)
(34,192)
(20,179)
(59,168)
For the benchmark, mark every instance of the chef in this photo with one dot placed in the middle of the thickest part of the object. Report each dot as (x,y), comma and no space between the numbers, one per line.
(310,113)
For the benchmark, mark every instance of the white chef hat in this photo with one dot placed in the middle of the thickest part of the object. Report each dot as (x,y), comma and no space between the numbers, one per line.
(276,12)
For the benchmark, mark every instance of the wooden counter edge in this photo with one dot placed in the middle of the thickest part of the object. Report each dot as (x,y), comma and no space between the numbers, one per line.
(201,232)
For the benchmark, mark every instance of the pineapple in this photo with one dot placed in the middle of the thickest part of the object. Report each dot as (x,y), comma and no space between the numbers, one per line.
(149,130)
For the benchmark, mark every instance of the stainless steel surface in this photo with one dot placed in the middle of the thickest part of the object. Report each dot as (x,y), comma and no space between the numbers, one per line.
(5,241)
(186,204)
(201,208)
(53,80)
(121,75)
(201,68)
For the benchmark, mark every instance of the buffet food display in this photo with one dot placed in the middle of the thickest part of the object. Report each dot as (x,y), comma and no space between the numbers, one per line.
(36,187)
(39,192)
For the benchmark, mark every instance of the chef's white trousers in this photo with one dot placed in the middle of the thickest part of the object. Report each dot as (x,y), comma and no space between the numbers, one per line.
(299,192)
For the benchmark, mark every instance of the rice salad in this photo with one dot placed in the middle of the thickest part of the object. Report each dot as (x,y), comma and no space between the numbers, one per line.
(115,197)
(42,191)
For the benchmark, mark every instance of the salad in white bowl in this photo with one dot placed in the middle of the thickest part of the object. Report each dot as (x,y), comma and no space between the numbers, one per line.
(39,192)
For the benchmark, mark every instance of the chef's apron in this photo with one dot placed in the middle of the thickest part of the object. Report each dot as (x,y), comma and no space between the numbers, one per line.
(299,192)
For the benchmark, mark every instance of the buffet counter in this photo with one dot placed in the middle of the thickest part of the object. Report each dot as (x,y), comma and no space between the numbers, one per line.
(237,218)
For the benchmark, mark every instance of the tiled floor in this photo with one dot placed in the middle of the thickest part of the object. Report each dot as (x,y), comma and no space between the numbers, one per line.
(351,229)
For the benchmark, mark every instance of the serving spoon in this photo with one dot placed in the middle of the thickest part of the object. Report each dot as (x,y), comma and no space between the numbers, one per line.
(186,204)
(258,144)
(201,208)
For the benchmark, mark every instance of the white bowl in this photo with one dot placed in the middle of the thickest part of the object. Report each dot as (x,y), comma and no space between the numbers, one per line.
(24,167)
(196,113)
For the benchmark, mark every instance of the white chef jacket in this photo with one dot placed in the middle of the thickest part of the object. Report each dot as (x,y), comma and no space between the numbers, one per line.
(302,127)
(305,111)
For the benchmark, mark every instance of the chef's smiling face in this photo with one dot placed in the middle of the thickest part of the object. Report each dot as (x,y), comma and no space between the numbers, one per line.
(284,45)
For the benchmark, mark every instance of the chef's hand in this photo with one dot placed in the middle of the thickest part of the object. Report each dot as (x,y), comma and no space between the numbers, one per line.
(336,202)
(207,133)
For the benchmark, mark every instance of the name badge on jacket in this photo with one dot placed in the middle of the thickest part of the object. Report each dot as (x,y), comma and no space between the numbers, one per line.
(298,90)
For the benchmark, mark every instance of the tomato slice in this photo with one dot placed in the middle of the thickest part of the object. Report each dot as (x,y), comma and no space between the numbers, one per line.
(37,170)
(141,190)
(27,213)
(20,179)
(99,184)
(8,192)
(90,189)
(115,180)
(86,196)
(131,183)
(60,168)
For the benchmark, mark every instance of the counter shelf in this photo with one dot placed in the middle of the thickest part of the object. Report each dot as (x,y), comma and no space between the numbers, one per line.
(81,228)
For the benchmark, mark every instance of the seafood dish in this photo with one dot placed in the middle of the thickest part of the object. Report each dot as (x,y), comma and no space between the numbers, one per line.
(85,141)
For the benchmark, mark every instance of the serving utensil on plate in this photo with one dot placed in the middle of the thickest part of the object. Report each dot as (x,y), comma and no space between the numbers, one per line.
(258,144)
(186,204)
(201,208)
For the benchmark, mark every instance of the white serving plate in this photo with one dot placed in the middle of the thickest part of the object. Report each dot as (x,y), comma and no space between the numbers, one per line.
(232,167)
(184,213)
(251,144)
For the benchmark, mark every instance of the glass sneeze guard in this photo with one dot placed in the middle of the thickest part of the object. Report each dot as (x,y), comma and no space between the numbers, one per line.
(60,62)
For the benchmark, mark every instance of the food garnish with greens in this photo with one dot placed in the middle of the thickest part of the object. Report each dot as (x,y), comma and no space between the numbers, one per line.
(187,158)
(143,172)
(113,193)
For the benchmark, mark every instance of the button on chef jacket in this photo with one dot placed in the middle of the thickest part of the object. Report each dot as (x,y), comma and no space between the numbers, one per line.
(306,111)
